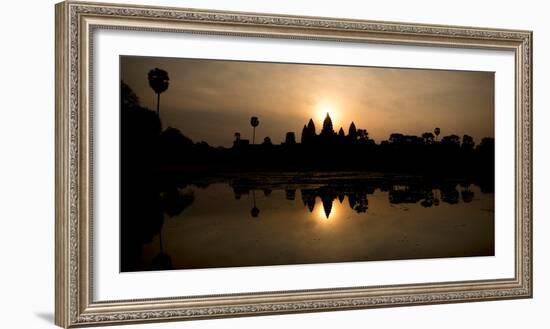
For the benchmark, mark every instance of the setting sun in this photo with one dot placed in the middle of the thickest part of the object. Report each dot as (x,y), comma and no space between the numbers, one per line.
(324,212)
(322,110)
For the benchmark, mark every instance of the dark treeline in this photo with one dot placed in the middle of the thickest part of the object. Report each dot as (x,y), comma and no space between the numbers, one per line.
(326,150)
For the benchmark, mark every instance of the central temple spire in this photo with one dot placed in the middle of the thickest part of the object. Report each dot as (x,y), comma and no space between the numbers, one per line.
(327,130)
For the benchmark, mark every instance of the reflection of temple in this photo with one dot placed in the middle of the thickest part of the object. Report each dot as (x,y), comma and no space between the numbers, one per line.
(308,198)
(357,199)
(426,195)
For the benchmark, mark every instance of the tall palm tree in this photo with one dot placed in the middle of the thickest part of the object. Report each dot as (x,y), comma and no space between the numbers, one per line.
(162,261)
(158,81)
(254,122)
(437,131)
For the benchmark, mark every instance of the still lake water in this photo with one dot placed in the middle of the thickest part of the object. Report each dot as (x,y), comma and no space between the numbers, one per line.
(266,221)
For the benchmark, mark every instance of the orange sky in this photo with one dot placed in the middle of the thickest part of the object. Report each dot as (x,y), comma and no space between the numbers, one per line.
(210,100)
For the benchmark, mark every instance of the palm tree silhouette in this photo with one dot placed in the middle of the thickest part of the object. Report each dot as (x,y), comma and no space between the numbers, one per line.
(158,81)
(255,211)
(254,122)
(162,261)
(437,131)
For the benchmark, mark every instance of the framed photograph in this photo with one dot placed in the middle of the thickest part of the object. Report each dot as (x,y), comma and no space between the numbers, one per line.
(218,164)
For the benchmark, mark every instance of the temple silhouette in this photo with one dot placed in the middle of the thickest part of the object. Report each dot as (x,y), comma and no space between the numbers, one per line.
(309,136)
(168,149)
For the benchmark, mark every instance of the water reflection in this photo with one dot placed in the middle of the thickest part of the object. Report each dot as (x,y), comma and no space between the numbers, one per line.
(358,201)
(207,223)
(255,211)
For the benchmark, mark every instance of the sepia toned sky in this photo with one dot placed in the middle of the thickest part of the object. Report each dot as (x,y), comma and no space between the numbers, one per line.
(210,100)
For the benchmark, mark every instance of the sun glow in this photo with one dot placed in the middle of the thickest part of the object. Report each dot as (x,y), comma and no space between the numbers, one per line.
(326,212)
(321,113)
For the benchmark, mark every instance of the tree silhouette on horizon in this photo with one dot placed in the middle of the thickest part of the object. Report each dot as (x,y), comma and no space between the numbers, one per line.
(254,122)
(428,138)
(467,143)
(267,141)
(158,81)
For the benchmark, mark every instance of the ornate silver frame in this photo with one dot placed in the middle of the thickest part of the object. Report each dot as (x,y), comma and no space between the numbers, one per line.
(75,23)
